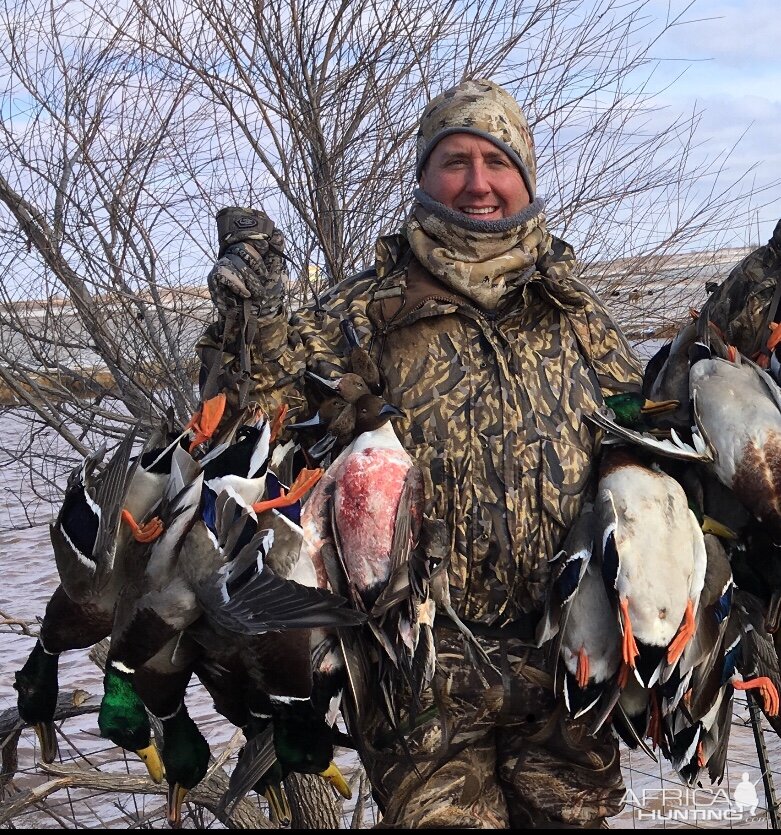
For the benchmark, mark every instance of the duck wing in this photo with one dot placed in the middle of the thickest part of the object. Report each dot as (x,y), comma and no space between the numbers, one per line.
(672,447)
(247,597)
(84,535)
(580,621)
(738,406)
(257,757)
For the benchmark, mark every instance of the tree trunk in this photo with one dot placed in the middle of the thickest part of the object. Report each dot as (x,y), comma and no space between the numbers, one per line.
(312,803)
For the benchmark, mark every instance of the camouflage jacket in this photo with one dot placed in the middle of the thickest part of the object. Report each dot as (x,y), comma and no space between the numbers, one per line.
(494,406)
(739,305)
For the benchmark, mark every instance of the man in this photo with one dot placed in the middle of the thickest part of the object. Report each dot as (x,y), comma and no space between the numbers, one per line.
(494,350)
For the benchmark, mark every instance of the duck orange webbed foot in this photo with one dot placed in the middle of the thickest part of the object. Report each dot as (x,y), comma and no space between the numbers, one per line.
(767,692)
(701,761)
(683,636)
(305,480)
(762,359)
(629,648)
(205,421)
(278,422)
(582,674)
(148,532)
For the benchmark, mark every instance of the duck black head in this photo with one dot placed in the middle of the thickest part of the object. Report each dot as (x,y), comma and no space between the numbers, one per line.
(37,686)
(372,412)
(186,759)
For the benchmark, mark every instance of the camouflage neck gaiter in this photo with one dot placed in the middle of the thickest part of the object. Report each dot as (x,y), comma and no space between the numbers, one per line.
(478,259)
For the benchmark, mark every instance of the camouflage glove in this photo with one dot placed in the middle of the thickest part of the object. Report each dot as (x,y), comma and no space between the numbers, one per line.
(251,264)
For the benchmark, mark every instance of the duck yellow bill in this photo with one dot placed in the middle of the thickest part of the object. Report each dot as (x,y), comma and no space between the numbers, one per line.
(773,614)
(277,800)
(658,407)
(334,777)
(711,525)
(176,796)
(47,737)
(151,759)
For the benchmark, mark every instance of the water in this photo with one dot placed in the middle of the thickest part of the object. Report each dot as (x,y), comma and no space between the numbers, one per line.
(29,577)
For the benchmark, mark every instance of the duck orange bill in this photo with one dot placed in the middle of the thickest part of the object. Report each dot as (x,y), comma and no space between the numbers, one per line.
(205,421)
(176,796)
(333,776)
(148,532)
(767,691)
(305,480)
(150,757)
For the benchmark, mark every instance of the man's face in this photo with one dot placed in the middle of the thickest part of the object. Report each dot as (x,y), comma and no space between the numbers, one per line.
(473,176)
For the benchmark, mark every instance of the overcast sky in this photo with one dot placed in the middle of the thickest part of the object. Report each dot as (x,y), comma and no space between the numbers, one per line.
(731,65)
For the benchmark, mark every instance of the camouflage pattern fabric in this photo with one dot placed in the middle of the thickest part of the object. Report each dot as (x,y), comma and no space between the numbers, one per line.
(480,265)
(504,755)
(739,306)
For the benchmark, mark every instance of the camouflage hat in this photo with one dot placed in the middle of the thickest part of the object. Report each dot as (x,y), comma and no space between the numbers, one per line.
(484,109)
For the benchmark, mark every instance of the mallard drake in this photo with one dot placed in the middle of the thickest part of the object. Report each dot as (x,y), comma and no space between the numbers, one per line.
(679,711)
(737,406)
(633,424)
(80,612)
(95,554)
(158,687)
(699,729)
(185,757)
(581,620)
(192,571)
(697,717)
(148,614)
(264,681)
(654,561)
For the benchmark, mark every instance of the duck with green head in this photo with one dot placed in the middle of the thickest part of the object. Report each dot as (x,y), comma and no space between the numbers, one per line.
(283,737)
(634,411)
(124,720)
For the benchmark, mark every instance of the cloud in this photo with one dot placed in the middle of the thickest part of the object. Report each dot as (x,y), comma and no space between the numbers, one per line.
(726,66)
(739,34)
